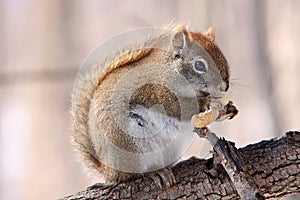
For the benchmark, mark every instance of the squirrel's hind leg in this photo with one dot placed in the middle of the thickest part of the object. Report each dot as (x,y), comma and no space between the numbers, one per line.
(163,177)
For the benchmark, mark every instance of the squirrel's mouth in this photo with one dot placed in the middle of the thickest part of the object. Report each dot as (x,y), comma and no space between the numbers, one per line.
(203,100)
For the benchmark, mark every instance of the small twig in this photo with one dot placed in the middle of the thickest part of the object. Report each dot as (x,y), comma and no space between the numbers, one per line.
(227,155)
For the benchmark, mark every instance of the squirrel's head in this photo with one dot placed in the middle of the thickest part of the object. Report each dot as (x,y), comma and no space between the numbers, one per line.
(201,61)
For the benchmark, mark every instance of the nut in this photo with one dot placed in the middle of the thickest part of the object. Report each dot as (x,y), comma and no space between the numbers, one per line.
(205,118)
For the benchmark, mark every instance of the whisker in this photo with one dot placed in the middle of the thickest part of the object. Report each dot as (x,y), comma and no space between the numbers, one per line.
(238,89)
(237,86)
(237,83)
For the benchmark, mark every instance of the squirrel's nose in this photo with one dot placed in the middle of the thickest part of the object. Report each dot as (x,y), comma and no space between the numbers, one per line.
(224,86)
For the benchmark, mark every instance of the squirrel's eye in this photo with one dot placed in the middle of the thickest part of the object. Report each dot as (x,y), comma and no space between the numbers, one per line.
(200,66)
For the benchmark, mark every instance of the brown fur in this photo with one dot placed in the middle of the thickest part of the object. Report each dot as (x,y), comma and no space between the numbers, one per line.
(91,102)
(207,41)
(214,52)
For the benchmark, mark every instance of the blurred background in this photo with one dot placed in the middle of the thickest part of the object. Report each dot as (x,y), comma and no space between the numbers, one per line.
(42,44)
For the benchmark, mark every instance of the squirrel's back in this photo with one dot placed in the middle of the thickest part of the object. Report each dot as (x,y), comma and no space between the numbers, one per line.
(87,88)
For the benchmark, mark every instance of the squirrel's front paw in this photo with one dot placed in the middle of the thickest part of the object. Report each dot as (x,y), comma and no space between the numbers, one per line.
(228,112)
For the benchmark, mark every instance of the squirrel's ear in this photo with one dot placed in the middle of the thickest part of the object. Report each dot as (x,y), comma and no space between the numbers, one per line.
(211,34)
(179,41)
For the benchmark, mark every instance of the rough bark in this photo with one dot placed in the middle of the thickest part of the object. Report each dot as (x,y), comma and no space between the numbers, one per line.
(274,165)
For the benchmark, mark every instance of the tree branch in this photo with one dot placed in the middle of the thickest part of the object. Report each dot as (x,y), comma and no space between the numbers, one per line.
(274,165)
